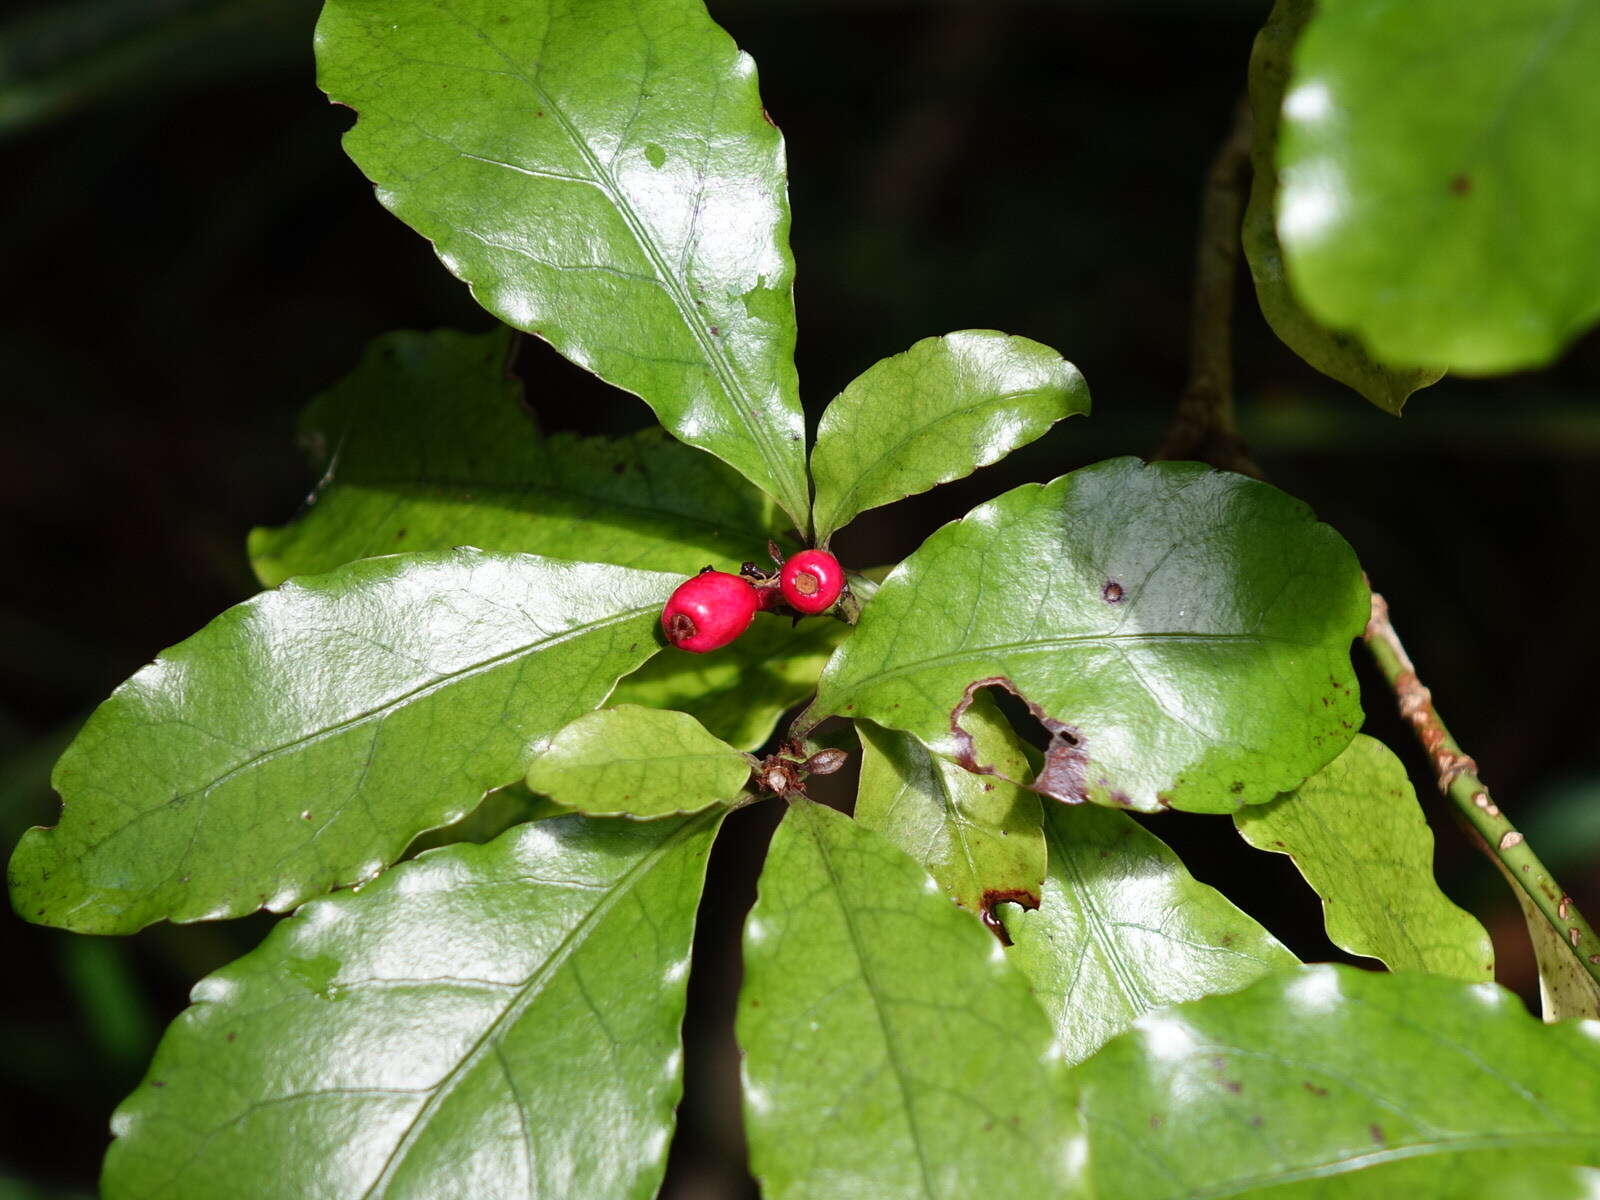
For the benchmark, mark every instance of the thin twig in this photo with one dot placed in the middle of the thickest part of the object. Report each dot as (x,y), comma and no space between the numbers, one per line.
(1458,779)
(1202,426)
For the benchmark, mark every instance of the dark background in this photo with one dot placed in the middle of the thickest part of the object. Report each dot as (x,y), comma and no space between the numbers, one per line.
(188,257)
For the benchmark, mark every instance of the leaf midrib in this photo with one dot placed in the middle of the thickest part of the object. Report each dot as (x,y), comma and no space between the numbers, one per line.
(710,348)
(858,944)
(1040,645)
(833,524)
(446,680)
(529,990)
(1343,1166)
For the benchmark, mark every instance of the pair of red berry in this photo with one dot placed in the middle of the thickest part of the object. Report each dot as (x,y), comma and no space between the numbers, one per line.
(713,608)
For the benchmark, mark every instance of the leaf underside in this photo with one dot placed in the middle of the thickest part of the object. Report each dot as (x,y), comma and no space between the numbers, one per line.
(1357,833)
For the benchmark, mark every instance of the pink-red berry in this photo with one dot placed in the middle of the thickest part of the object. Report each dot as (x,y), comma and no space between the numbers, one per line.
(709,611)
(811,581)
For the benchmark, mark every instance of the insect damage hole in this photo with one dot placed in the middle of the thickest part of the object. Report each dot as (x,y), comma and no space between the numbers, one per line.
(1065,758)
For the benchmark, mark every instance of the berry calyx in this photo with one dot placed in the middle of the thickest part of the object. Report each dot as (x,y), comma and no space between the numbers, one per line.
(811,581)
(709,611)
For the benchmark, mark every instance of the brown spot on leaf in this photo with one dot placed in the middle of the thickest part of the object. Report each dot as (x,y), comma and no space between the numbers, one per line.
(996,896)
(1313,1088)
(1376,1131)
(1461,184)
(1061,777)
(1112,592)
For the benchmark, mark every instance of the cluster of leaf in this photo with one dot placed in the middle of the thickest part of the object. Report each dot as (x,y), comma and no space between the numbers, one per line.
(469,606)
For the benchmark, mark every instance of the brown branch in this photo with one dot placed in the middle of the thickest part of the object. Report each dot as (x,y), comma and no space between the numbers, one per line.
(1457,776)
(1202,426)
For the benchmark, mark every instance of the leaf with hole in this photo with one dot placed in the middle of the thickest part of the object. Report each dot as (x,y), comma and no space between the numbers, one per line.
(937,412)
(603,176)
(889,1048)
(302,739)
(1183,633)
(1331,1082)
(1125,929)
(638,762)
(1335,354)
(1440,182)
(426,446)
(1357,833)
(977,835)
(463,1027)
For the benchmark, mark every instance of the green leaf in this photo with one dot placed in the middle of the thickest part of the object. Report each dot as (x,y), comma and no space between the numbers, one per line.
(603,176)
(638,762)
(944,408)
(1358,835)
(1441,187)
(1310,1076)
(1566,989)
(303,738)
(1124,929)
(889,1049)
(1184,634)
(977,835)
(426,446)
(739,692)
(1337,355)
(498,1020)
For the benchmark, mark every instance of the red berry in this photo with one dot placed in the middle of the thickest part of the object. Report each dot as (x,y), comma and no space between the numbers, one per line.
(709,611)
(811,581)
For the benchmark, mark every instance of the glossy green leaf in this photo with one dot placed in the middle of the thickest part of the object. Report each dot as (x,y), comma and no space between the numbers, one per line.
(1309,1077)
(889,1049)
(604,177)
(426,446)
(498,1020)
(977,835)
(740,691)
(1441,180)
(944,408)
(303,738)
(1358,835)
(1335,354)
(1183,633)
(1124,929)
(638,762)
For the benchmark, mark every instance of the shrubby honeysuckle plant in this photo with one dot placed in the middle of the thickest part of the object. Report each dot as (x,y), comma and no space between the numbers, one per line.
(989,978)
